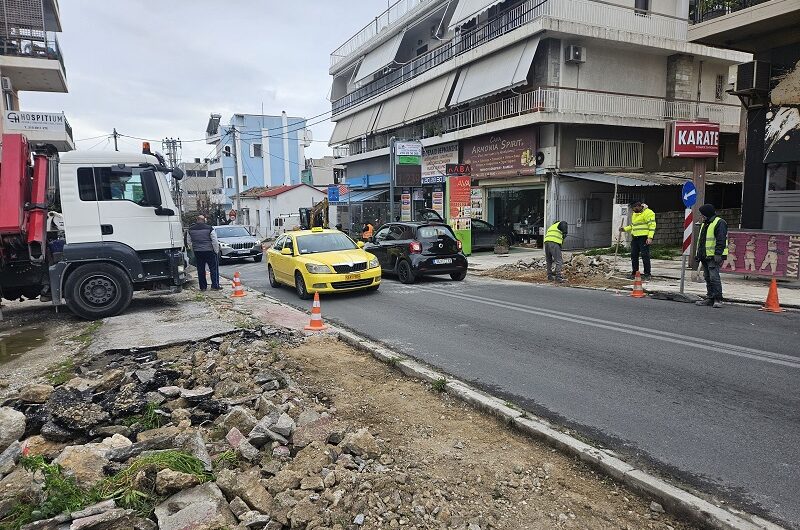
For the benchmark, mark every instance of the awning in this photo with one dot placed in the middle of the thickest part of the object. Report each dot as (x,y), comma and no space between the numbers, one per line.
(430,98)
(469,9)
(381,56)
(393,111)
(362,122)
(340,131)
(608,179)
(500,71)
(361,196)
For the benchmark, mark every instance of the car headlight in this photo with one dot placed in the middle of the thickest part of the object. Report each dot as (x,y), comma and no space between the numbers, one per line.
(317,268)
(224,245)
(373,263)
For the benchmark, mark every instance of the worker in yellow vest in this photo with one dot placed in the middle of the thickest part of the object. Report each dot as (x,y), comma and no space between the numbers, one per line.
(712,248)
(643,229)
(553,239)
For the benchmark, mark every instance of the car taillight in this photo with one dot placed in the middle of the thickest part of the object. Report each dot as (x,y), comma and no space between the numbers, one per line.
(415,247)
(458,242)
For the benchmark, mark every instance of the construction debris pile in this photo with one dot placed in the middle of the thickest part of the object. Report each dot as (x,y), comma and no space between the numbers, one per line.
(579,265)
(210,435)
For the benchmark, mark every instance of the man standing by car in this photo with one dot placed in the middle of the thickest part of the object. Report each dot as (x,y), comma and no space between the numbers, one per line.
(643,229)
(366,231)
(553,240)
(203,242)
(712,248)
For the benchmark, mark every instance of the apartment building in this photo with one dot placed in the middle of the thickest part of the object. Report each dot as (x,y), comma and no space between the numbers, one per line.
(769,89)
(197,187)
(263,151)
(31,61)
(556,104)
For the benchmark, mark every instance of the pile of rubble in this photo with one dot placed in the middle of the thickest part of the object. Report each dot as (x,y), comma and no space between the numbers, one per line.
(210,435)
(579,265)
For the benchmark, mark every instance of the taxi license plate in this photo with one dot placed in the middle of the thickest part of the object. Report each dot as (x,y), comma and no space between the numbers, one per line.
(443,261)
(352,277)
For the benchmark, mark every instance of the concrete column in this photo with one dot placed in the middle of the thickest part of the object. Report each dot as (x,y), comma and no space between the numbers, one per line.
(679,77)
(287,176)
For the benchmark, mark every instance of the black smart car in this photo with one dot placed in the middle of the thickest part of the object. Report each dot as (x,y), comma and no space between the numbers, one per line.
(418,249)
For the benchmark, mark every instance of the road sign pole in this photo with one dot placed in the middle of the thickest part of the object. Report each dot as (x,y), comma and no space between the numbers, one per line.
(392,174)
(688,226)
(699,181)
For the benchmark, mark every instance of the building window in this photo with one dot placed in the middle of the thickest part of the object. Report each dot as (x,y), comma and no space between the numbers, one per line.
(642,7)
(226,150)
(244,180)
(229,182)
(721,155)
(719,88)
(592,153)
(783,177)
(256,151)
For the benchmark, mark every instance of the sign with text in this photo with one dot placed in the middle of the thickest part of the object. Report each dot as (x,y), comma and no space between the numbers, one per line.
(405,206)
(437,202)
(476,203)
(458,169)
(460,197)
(407,175)
(435,160)
(761,253)
(16,120)
(689,139)
(504,154)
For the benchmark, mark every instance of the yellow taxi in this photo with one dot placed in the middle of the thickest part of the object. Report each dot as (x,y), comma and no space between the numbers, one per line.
(321,261)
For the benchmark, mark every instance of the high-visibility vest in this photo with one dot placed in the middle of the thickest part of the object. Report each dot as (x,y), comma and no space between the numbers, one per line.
(711,240)
(642,223)
(368,232)
(554,235)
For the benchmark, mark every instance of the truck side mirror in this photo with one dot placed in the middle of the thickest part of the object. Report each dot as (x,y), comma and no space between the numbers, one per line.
(152,195)
(177,173)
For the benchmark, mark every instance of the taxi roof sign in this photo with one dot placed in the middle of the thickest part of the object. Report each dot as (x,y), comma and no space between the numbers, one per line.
(317,229)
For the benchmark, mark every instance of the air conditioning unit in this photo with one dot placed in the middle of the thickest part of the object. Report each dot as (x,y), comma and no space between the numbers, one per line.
(752,78)
(546,158)
(6,84)
(733,72)
(576,54)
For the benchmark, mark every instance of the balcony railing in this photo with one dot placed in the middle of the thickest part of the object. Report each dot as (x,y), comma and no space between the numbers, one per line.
(561,101)
(710,9)
(583,11)
(397,10)
(30,42)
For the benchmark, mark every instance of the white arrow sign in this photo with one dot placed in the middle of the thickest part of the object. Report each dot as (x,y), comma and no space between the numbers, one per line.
(686,197)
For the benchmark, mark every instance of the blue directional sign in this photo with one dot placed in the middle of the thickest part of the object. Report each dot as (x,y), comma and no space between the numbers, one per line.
(689,194)
(333,193)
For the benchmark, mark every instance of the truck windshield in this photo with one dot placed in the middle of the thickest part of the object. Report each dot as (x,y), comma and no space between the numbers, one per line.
(232,231)
(330,242)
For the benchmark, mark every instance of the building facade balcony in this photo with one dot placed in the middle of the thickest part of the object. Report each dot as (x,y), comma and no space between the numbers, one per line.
(586,12)
(553,105)
(32,61)
(747,25)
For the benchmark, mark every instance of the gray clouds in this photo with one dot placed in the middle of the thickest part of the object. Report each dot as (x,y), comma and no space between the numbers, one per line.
(158,68)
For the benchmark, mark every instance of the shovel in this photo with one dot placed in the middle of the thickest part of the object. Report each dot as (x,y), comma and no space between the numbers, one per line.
(616,256)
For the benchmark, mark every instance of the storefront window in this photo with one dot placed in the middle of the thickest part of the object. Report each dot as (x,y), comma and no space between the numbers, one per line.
(783,177)
(520,210)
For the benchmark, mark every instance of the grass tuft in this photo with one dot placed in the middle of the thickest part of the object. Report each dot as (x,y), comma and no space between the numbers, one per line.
(440,385)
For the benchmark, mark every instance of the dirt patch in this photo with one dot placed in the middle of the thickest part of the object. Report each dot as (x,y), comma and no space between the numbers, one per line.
(540,276)
(464,461)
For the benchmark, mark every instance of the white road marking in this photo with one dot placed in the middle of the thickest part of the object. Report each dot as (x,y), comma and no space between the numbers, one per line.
(622,327)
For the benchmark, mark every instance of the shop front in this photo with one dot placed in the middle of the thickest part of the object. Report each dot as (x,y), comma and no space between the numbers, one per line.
(511,192)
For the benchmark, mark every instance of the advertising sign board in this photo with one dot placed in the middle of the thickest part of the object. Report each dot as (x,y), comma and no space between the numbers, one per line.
(761,253)
(694,139)
(504,154)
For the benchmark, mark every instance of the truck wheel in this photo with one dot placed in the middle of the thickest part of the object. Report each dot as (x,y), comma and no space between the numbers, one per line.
(98,291)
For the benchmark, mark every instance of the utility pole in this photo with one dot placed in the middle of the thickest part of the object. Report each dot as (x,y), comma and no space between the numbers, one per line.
(116,135)
(170,146)
(236,174)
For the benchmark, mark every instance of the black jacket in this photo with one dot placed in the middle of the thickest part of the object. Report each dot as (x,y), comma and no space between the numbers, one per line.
(720,234)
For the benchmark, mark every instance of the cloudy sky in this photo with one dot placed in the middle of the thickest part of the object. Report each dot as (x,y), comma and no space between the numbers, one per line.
(154,69)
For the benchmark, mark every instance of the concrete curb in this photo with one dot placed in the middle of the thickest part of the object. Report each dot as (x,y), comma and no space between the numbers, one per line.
(674,500)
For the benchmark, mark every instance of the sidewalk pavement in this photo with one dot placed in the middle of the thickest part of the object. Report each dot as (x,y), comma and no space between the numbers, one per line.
(666,277)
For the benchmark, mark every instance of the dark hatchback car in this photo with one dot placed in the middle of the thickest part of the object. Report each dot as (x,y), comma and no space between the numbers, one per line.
(411,250)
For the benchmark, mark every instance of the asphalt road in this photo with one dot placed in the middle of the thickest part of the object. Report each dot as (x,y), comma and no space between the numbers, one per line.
(709,397)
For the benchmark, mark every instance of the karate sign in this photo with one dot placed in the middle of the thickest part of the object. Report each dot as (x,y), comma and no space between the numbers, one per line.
(690,139)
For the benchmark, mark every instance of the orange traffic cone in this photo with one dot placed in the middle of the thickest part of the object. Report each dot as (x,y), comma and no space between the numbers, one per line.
(316,316)
(238,290)
(637,292)
(772,304)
